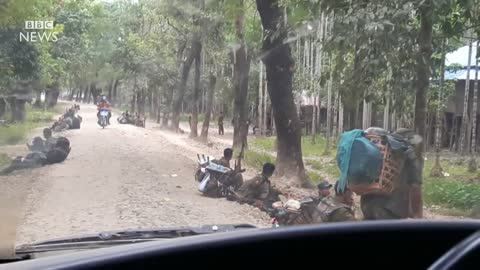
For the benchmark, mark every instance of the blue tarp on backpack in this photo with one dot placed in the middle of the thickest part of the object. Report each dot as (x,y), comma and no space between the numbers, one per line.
(358,159)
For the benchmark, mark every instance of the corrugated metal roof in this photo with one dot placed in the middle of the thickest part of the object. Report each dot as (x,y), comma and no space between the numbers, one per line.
(461,74)
(460,56)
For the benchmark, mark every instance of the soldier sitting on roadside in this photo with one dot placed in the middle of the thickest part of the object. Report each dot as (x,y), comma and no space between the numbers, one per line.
(236,178)
(257,190)
(335,209)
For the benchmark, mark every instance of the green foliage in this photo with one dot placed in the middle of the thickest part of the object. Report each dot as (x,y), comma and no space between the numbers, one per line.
(16,133)
(451,193)
(256,159)
(309,149)
(314,177)
(4,160)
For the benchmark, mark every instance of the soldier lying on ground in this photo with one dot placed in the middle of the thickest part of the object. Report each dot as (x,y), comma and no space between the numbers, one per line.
(37,144)
(257,191)
(57,154)
(62,124)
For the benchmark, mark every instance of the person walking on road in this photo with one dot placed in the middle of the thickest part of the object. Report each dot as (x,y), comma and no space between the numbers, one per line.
(220,124)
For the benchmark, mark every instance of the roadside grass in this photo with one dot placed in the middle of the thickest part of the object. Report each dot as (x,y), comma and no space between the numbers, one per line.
(459,191)
(309,149)
(455,194)
(256,159)
(263,148)
(4,160)
(15,133)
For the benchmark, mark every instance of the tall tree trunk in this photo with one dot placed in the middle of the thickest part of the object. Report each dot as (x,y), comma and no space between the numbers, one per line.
(465,121)
(329,108)
(423,65)
(335,117)
(115,92)
(472,164)
(196,93)
(170,91)
(95,93)
(110,91)
(422,81)
(3,107)
(208,113)
(340,115)
(51,96)
(437,170)
(38,99)
(86,94)
(195,49)
(386,112)
(260,99)
(141,101)
(72,93)
(79,94)
(17,109)
(279,67)
(182,85)
(240,82)
(133,102)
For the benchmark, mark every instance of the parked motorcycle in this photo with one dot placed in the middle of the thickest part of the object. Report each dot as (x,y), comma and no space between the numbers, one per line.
(215,180)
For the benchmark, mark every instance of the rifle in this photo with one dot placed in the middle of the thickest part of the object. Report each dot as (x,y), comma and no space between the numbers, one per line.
(238,162)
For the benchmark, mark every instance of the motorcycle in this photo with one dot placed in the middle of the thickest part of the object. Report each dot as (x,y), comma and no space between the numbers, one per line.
(103,118)
(124,119)
(214,180)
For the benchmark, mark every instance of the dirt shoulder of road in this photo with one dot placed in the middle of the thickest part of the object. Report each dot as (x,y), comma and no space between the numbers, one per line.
(217,143)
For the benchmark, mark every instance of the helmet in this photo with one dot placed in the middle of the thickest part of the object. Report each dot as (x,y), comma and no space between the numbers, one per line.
(103,98)
(376,130)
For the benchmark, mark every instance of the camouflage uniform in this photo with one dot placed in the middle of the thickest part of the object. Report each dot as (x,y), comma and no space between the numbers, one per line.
(37,159)
(330,209)
(237,178)
(257,188)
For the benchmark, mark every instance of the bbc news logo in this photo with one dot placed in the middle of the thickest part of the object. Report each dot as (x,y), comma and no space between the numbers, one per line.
(38,31)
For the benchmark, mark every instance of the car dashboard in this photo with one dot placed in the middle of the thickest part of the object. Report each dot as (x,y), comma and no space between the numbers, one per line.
(408,244)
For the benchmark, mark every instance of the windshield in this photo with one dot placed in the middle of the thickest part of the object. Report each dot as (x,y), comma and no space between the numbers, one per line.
(139,114)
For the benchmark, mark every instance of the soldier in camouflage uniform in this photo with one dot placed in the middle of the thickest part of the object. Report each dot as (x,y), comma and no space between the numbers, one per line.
(257,190)
(236,178)
(406,198)
(335,209)
(323,190)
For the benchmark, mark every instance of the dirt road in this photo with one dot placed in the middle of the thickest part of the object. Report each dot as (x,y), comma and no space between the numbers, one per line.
(121,177)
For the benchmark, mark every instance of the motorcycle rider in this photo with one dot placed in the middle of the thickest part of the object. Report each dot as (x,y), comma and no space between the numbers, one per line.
(103,104)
